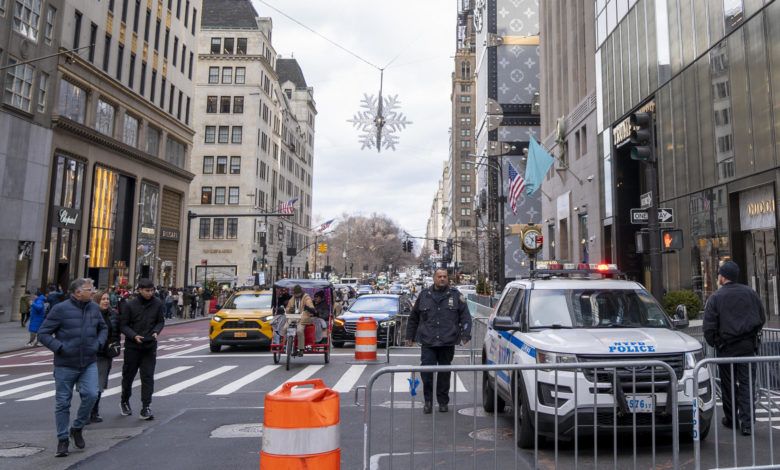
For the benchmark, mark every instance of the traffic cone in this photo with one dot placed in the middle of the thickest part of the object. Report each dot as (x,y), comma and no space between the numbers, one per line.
(301,428)
(365,339)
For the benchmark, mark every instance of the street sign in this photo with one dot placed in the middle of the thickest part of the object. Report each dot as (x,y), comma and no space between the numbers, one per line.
(646,200)
(639,216)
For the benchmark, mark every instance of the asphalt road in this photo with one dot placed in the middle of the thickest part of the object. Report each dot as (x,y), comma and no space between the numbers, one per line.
(209,409)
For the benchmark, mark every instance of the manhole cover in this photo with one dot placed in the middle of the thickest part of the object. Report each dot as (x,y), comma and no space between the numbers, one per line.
(493,434)
(481,413)
(238,430)
(17,449)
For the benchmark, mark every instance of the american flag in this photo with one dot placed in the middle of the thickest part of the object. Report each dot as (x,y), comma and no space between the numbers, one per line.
(325,226)
(516,186)
(288,207)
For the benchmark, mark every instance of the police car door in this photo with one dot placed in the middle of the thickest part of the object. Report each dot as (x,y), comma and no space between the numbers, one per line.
(511,306)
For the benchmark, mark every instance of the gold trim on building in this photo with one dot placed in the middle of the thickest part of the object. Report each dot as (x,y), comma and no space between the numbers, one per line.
(135,43)
(159,10)
(154,61)
(146,51)
(122,31)
(519,40)
(165,69)
(109,23)
(168,20)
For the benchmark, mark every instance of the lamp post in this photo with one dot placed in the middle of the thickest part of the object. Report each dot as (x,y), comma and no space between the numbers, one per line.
(501,249)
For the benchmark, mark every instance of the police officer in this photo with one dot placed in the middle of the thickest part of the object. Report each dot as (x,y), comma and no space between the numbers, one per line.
(438,321)
(733,318)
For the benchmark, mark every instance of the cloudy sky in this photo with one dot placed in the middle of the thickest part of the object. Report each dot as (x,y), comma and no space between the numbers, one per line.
(400,184)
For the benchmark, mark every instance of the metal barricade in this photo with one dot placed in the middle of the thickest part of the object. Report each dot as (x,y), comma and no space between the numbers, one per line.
(764,408)
(614,409)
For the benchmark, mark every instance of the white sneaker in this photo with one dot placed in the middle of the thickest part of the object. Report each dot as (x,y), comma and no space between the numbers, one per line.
(29,344)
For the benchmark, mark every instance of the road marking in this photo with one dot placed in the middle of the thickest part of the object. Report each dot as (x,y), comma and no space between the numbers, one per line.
(401,384)
(118,389)
(300,376)
(247,379)
(3,375)
(187,383)
(350,377)
(51,393)
(27,377)
(25,387)
(181,353)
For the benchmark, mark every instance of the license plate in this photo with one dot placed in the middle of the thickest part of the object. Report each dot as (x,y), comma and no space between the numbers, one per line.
(290,331)
(641,403)
(239,334)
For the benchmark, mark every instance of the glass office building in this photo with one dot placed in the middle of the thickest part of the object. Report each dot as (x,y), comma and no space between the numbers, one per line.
(709,72)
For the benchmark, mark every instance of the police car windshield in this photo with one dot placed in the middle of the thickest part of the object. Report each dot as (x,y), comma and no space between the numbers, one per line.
(594,308)
(249,301)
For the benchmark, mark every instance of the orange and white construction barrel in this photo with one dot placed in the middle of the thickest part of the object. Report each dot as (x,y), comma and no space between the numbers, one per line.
(301,428)
(365,339)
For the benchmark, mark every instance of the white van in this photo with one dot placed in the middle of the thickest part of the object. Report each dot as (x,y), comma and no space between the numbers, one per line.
(350,281)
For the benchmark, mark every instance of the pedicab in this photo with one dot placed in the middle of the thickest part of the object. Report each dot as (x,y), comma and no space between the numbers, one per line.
(285,338)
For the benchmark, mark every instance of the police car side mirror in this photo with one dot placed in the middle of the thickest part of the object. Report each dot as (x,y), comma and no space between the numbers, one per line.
(680,319)
(505,324)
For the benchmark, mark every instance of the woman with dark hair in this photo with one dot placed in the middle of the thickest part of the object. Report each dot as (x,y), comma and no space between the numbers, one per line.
(104,357)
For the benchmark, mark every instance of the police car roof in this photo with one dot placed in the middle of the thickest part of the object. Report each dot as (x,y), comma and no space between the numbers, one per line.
(576,283)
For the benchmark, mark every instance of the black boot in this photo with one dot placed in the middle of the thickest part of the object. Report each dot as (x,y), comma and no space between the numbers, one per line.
(94,416)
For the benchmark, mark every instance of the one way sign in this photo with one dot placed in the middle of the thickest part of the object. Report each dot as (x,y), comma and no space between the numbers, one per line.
(639,216)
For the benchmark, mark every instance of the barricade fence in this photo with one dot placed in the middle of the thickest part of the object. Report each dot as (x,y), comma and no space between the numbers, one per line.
(473,348)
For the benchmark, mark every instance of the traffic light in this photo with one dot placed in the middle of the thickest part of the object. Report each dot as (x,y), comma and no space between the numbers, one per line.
(410,246)
(322,247)
(642,137)
(436,246)
(672,239)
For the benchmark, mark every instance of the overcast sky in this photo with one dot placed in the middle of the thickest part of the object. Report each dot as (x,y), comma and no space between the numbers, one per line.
(400,184)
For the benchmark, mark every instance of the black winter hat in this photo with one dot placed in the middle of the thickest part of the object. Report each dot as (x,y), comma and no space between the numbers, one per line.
(729,270)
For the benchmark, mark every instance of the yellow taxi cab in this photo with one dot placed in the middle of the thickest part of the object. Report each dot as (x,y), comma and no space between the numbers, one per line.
(244,320)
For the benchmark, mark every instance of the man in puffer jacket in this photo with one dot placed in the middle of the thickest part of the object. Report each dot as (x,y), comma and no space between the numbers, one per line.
(74,330)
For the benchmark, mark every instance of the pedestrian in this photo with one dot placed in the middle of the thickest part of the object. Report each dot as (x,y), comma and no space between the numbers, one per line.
(24,307)
(106,354)
(113,297)
(194,303)
(187,298)
(438,321)
(733,319)
(301,304)
(37,314)
(53,298)
(168,305)
(141,321)
(179,303)
(75,331)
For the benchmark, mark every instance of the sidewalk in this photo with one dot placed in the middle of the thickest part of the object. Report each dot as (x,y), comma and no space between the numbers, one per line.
(14,338)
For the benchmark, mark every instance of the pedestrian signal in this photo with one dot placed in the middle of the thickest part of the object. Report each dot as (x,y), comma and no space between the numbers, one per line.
(322,247)
(672,240)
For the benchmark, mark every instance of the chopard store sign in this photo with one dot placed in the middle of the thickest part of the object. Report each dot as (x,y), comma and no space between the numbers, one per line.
(65,217)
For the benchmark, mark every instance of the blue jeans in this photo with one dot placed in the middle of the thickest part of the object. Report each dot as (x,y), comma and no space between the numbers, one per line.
(65,378)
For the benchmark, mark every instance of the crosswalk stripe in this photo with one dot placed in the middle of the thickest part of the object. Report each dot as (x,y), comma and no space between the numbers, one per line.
(187,383)
(118,389)
(26,377)
(302,375)
(245,380)
(3,375)
(401,384)
(51,393)
(181,353)
(350,377)
(25,387)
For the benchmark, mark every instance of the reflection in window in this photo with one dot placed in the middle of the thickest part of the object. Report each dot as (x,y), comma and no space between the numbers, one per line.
(26,15)
(18,85)
(732,14)
(105,118)
(708,211)
(130,134)
(722,111)
(219,228)
(205,228)
(152,141)
(232,228)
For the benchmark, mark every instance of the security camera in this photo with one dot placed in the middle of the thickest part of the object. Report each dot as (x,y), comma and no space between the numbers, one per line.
(589,178)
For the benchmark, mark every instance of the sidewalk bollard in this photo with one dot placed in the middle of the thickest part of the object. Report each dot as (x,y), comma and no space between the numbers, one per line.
(365,339)
(301,428)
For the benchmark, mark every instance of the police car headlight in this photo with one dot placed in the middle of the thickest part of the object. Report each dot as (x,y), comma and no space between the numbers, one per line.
(217,318)
(545,357)
(691,358)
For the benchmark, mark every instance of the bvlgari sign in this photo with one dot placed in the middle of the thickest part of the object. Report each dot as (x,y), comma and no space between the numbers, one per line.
(65,217)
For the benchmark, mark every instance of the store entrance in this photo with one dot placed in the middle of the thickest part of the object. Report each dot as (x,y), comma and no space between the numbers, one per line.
(761,267)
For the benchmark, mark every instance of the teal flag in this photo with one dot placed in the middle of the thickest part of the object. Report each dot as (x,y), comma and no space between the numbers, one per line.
(536,167)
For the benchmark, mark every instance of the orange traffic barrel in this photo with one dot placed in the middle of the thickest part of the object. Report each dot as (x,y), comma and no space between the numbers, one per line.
(301,428)
(365,339)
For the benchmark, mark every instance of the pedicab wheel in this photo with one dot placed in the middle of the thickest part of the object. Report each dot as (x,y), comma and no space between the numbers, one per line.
(277,357)
(327,353)
(289,344)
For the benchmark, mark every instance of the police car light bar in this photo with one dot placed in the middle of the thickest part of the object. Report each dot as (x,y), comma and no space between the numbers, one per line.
(552,268)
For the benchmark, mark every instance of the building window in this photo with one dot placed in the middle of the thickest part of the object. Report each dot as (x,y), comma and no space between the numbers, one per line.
(131,78)
(26,16)
(465,212)
(216,45)
(465,110)
(465,177)
(208,165)
(171,96)
(210,134)
(219,195)
(136,14)
(235,165)
(227,46)
(189,70)
(194,20)
(213,74)
(205,195)
(174,152)
(2,7)
(238,104)
(205,228)
(152,141)
(162,93)
(465,189)
(237,133)
(465,132)
(167,39)
(147,22)
(219,228)
(51,13)
(106,53)
(233,195)
(241,46)
(77,35)
(92,40)
(105,117)
(465,144)
(224,104)
(142,90)
(465,88)
(187,112)
(227,74)
(178,105)
(465,99)
(240,75)
(224,134)
(186,13)
(119,57)
(43,84)
(130,134)
(222,165)
(232,228)
(154,85)
(124,11)
(183,56)
(157,35)
(175,49)
(18,85)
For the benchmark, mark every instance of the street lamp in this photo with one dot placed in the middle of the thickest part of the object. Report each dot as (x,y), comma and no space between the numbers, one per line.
(344,255)
(501,249)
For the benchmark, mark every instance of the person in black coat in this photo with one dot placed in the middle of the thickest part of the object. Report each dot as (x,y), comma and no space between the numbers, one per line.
(141,321)
(733,319)
(439,320)
(104,356)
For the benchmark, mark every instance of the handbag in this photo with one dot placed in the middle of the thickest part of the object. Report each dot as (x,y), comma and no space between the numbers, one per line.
(113,349)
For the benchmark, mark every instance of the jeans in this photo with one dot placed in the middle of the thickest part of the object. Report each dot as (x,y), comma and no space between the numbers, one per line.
(144,359)
(431,356)
(65,378)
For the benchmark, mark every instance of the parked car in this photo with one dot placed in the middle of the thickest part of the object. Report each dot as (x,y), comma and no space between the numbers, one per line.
(244,320)
(364,289)
(467,289)
(384,308)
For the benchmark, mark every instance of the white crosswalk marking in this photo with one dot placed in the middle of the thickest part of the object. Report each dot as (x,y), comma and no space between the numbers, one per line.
(181,353)
(401,383)
(25,387)
(300,376)
(137,383)
(247,379)
(350,377)
(187,383)
(51,393)
(26,377)
(3,375)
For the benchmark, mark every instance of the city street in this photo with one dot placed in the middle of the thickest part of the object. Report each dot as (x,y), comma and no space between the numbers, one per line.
(208,408)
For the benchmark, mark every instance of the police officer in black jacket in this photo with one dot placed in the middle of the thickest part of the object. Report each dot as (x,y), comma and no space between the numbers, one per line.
(439,319)
(733,318)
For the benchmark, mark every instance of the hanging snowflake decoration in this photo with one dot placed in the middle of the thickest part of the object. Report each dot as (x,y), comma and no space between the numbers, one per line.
(379,120)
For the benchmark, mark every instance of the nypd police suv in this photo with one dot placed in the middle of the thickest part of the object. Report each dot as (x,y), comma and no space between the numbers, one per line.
(555,317)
